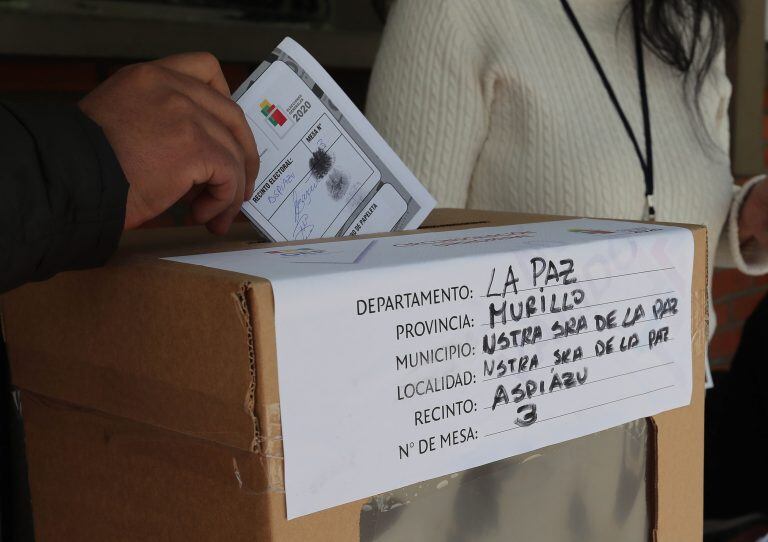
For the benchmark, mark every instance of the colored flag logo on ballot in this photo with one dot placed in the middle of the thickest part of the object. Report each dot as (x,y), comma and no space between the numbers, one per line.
(279,123)
(273,113)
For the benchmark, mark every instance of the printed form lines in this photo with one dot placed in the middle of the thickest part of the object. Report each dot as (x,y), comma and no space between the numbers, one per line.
(581,333)
(655,390)
(593,280)
(594,356)
(586,306)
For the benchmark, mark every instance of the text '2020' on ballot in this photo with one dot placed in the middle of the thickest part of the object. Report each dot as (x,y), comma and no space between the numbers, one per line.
(325,171)
(404,358)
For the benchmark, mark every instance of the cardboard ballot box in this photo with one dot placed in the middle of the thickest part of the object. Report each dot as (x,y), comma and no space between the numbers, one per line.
(147,397)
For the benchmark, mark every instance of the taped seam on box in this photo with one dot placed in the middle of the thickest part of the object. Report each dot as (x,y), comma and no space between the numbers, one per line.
(271,445)
(700,306)
(268,439)
(58,404)
(244,312)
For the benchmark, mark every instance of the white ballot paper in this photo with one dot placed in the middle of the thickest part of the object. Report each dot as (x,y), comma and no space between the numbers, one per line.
(405,358)
(325,171)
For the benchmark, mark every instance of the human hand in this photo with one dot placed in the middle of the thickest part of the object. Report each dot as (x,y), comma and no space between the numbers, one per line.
(753,218)
(177,134)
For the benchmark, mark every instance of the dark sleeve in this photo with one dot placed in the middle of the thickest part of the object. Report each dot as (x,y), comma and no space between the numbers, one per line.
(62,193)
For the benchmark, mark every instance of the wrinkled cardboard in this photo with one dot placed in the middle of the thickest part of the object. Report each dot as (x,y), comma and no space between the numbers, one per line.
(150,403)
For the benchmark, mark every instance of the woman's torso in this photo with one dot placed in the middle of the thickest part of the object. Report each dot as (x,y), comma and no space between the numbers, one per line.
(555,142)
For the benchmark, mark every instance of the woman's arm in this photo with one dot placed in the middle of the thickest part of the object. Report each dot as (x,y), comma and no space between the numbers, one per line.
(746,231)
(744,239)
(429,97)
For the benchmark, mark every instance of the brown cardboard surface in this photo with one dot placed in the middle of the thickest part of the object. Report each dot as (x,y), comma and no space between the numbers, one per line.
(162,342)
(95,477)
(175,357)
(680,432)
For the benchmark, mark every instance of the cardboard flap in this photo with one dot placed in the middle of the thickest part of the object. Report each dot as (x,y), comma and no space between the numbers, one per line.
(146,340)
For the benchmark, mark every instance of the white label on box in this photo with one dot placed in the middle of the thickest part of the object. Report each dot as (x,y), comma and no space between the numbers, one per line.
(322,163)
(405,358)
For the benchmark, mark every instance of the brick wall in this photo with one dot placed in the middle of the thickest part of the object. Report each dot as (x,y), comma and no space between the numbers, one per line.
(734,294)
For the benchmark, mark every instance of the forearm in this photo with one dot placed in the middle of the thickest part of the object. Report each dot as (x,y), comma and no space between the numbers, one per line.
(62,193)
(742,241)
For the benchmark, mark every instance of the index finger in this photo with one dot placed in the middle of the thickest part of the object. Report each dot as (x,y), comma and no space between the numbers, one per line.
(202,66)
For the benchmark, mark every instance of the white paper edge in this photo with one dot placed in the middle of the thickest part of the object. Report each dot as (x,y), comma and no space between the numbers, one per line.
(364,128)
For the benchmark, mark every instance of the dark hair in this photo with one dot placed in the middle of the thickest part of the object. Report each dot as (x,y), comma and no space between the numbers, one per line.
(688,34)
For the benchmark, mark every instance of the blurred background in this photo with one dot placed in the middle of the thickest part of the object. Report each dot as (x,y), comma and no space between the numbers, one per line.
(58,50)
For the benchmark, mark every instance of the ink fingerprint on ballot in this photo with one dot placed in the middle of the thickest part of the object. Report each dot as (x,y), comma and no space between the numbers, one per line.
(320,163)
(337,184)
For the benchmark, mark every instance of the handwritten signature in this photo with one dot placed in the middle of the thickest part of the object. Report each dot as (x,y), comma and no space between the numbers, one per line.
(279,189)
(301,201)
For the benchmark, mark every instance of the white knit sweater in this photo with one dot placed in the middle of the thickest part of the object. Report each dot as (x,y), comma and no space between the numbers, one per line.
(494,104)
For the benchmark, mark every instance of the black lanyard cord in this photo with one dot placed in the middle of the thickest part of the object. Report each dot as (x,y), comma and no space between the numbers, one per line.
(646,162)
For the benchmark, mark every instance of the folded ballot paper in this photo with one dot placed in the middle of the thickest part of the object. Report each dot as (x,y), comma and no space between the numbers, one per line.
(325,171)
